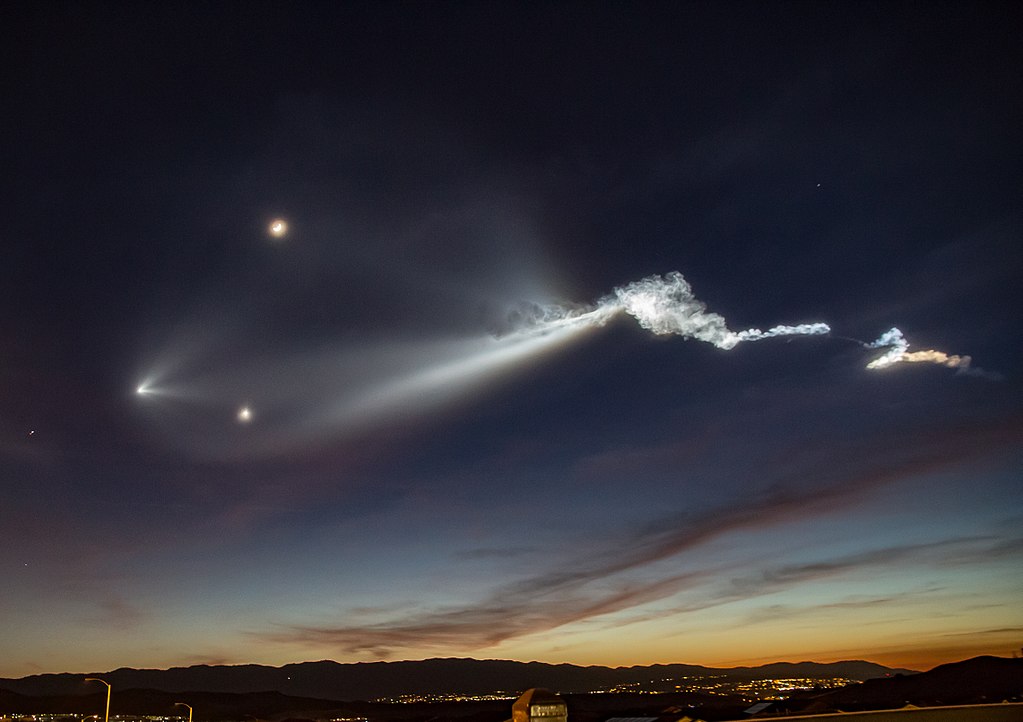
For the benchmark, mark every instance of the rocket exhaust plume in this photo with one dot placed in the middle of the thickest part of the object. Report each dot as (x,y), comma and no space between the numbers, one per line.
(666,305)
(898,352)
(365,387)
(663,305)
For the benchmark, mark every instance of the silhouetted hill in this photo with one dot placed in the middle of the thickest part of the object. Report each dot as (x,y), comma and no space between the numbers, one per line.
(374,680)
(979,680)
(973,681)
(854,669)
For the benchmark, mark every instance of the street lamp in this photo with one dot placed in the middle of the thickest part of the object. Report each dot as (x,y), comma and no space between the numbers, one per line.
(189,709)
(106,717)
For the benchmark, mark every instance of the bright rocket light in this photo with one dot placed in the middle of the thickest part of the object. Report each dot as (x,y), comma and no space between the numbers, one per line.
(278,228)
(244,415)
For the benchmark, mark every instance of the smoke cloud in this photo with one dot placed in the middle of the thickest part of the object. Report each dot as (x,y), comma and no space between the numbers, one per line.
(666,305)
(898,352)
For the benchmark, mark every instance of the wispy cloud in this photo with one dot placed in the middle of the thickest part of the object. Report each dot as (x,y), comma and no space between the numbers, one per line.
(597,583)
(784,611)
(977,632)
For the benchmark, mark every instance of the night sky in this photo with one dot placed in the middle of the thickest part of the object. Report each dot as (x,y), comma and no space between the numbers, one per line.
(407,428)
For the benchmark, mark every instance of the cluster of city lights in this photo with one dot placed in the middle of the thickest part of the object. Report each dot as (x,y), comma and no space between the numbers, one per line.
(770,689)
(761,689)
(714,684)
(723,686)
(448,697)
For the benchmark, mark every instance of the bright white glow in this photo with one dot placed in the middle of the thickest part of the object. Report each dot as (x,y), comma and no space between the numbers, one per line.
(278,228)
(244,415)
(896,344)
(469,363)
(666,305)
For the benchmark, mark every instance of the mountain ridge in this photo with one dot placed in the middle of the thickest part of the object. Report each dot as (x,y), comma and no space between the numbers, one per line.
(326,679)
(979,680)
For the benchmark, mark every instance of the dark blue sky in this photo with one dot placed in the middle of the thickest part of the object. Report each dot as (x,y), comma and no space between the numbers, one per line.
(408,485)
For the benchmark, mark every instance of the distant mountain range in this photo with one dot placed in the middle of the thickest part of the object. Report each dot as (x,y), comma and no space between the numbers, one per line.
(974,681)
(376,680)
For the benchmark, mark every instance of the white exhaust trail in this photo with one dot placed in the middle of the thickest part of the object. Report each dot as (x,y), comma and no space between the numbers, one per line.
(898,352)
(666,305)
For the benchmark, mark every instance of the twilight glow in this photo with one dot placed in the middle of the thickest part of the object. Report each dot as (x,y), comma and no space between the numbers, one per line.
(369,334)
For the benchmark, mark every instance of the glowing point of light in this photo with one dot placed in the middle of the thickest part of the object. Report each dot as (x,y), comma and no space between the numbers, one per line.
(278,228)
(244,415)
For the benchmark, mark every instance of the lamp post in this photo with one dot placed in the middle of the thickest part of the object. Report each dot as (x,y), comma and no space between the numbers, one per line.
(106,716)
(189,709)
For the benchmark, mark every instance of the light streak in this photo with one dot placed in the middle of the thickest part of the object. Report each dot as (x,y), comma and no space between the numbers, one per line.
(309,394)
(467,364)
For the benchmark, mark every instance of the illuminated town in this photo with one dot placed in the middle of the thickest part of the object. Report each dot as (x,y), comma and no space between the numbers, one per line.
(760,689)
(450,697)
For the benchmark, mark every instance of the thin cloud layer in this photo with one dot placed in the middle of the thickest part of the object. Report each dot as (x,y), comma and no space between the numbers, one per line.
(602,582)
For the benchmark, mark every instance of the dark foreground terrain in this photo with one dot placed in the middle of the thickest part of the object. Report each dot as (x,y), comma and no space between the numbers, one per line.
(974,681)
